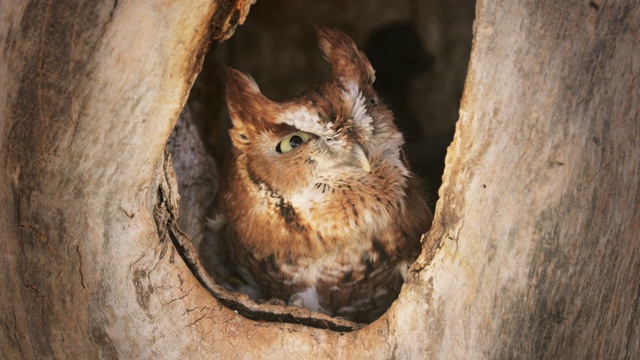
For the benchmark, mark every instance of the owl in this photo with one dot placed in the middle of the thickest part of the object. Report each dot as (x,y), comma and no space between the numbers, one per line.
(316,202)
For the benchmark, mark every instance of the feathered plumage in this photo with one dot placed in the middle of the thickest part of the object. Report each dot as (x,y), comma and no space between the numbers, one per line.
(321,210)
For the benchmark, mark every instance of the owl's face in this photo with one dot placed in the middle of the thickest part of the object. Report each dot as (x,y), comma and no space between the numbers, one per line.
(333,134)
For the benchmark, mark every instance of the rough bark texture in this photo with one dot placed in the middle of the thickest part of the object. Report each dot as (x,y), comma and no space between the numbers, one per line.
(197,176)
(534,251)
(538,219)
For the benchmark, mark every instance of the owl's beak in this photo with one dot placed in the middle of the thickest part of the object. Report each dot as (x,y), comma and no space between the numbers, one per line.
(361,158)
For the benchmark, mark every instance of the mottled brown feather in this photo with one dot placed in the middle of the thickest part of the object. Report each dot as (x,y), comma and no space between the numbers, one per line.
(312,223)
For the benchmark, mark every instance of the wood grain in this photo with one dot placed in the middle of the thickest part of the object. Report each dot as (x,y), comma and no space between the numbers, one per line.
(534,250)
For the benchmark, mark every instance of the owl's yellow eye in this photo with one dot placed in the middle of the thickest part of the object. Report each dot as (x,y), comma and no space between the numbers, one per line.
(292,141)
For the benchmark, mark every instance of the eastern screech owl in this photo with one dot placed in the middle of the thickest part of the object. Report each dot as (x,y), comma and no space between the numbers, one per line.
(319,207)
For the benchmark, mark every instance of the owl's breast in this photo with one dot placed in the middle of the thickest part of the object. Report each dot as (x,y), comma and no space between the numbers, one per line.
(357,281)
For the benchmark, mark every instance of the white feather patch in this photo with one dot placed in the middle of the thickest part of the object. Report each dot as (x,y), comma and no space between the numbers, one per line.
(361,119)
(306,299)
(403,267)
(303,201)
(300,118)
(217,223)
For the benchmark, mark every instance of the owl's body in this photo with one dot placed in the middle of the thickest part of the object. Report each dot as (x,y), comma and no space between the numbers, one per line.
(321,210)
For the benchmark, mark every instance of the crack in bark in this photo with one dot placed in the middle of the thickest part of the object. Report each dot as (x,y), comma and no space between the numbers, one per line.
(15,335)
(454,234)
(197,320)
(130,216)
(178,298)
(36,230)
(107,23)
(80,266)
(188,311)
(41,298)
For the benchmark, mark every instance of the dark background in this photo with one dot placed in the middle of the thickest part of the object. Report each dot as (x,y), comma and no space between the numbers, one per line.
(419,49)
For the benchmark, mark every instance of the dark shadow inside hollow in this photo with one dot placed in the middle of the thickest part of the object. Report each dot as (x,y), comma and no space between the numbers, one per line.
(420,54)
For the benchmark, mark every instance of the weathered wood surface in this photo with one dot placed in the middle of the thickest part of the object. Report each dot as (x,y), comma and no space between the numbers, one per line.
(539,216)
(534,251)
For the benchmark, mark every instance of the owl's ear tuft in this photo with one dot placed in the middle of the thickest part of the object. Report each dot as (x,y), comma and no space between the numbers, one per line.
(348,64)
(248,108)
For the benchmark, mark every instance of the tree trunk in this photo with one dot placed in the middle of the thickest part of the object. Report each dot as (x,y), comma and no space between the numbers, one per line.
(534,251)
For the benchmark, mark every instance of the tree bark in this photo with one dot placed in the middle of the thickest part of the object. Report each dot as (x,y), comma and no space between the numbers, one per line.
(534,251)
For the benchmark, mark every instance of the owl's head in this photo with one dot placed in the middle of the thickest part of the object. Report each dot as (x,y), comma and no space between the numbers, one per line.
(333,133)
